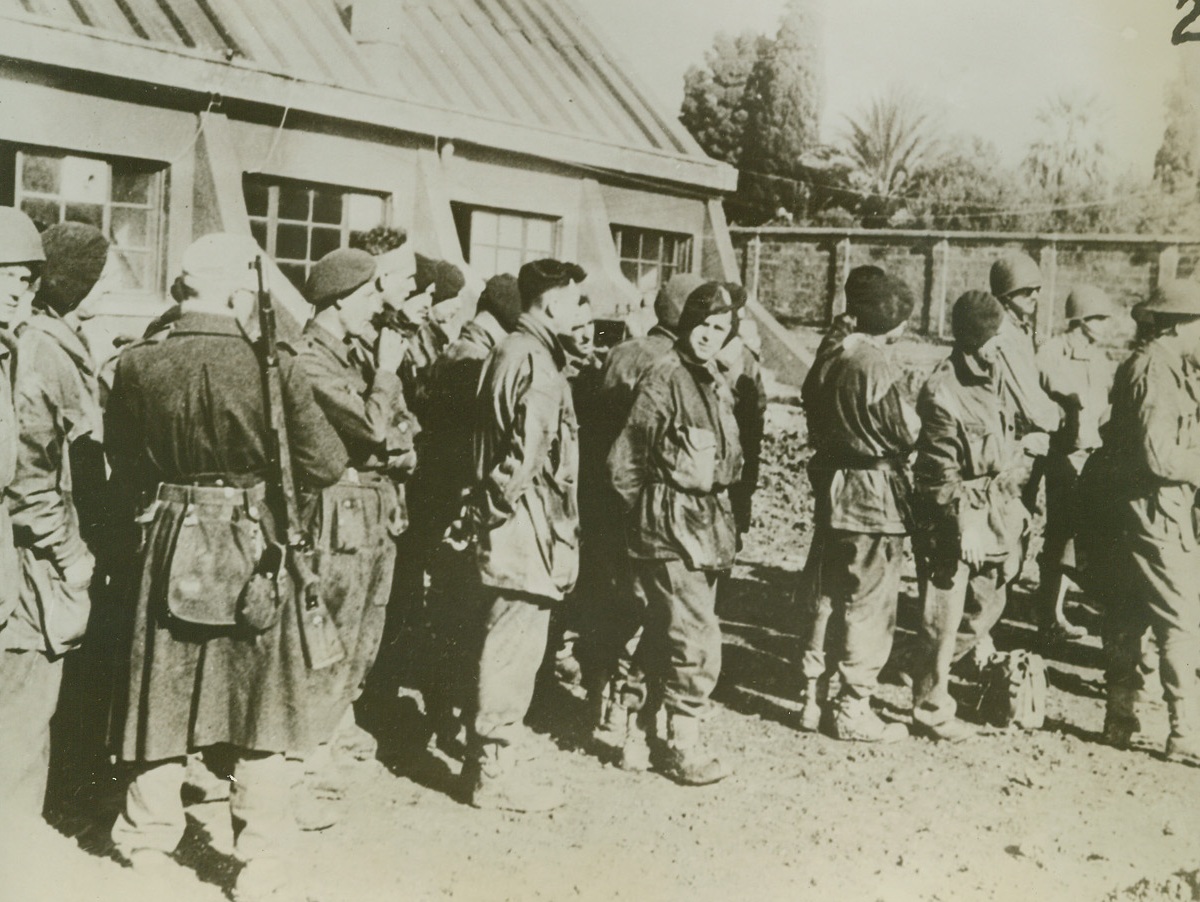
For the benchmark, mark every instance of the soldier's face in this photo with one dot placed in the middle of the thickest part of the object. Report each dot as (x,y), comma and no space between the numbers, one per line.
(1098,329)
(358,311)
(444,311)
(17,283)
(706,339)
(565,307)
(1024,301)
(987,351)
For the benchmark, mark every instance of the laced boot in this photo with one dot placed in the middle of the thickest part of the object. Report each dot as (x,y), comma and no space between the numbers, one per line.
(1183,745)
(635,747)
(816,692)
(1121,722)
(496,780)
(684,758)
(854,720)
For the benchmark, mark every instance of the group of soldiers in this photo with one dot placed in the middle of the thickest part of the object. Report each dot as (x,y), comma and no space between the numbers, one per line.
(283,532)
(961,472)
(282,524)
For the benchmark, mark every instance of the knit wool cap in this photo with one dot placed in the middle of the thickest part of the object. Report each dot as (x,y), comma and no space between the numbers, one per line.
(878,302)
(710,299)
(668,304)
(75,258)
(338,274)
(502,300)
(448,281)
(540,276)
(975,319)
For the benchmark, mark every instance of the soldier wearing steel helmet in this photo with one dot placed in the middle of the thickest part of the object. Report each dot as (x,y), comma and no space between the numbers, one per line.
(1016,281)
(1153,442)
(30,680)
(1077,372)
(186,434)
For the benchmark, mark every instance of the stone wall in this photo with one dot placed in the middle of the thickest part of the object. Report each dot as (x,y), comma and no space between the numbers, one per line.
(798,273)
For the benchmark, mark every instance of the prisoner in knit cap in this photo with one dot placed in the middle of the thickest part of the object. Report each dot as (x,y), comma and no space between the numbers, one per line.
(668,305)
(878,302)
(338,274)
(540,276)
(976,318)
(502,300)
(75,258)
(710,299)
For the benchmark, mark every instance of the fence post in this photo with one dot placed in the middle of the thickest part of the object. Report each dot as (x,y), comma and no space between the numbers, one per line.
(841,269)
(1048,262)
(1168,265)
(755,265)
(939,284)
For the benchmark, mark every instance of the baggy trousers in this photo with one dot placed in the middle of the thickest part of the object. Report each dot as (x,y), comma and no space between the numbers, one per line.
(816,609)
(860,574)
(29,686)
(681,647)
(516,630)
(1157,565)
(956,614)
(259,803)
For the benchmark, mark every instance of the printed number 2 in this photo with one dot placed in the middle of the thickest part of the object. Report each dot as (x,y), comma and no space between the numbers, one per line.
(1181,34)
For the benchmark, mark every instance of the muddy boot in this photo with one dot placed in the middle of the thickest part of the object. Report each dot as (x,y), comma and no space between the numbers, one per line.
(1183,745)
(952,730)
(495,780)
(1121,722)
(816,693)
(853,720)
(635,748)
(683,757)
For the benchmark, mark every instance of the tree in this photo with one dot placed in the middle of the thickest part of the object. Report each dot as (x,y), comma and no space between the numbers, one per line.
(783,106)
(1067,164)
(714,97)
(888,144)
(1177,163)
(963,187)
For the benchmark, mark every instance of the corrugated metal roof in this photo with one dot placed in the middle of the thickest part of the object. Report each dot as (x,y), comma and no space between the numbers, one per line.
(532,62)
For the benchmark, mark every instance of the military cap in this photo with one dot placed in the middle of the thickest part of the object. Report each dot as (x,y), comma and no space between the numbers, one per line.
(75,258)
(1013,273)
(19,239)
(338,274)
(540,276)
(448,281)
(975,319)
(502,300)
(878,302)
(668,304)
(219,255)
(1177,297)
(710,299)
(1088,300)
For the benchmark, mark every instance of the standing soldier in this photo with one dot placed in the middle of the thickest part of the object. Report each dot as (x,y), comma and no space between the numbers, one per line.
(360,516)
(30,678)
(1153,440)
(452,603)
(673,465)
(187,433)
(615,630)
(1016,281)
(1077,373)
(57,402)
(526,513)
(443,283)
(972,525)
(863,431)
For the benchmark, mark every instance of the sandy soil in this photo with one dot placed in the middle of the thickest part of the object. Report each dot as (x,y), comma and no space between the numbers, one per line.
(1047,815)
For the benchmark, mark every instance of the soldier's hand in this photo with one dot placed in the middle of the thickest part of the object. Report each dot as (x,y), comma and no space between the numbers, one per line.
(1036,444)
(79,573)
(972,546)
(389,352)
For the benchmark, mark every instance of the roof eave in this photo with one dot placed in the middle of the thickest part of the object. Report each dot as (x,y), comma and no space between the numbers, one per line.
(52,46)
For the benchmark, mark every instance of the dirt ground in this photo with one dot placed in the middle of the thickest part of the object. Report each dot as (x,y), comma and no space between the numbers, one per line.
(1052,814)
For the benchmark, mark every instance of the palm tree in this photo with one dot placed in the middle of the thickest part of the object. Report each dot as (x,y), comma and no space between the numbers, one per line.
(888,143)
(1069,154)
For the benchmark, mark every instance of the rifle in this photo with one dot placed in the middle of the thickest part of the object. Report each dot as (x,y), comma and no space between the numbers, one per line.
(318,633)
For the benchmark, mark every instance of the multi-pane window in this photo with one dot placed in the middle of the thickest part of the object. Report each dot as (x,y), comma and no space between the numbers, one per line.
(499,241)
(649,258)
(298,223)
(122,198)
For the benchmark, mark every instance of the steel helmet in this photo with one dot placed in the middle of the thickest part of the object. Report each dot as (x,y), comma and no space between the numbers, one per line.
(1013,273)
(19,238)
(1088,300)
(1178,297)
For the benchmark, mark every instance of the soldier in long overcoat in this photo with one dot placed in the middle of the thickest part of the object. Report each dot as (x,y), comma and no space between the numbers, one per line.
(187,437)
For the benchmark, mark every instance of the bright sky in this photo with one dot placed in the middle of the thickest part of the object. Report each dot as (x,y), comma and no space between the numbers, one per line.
(985,66)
